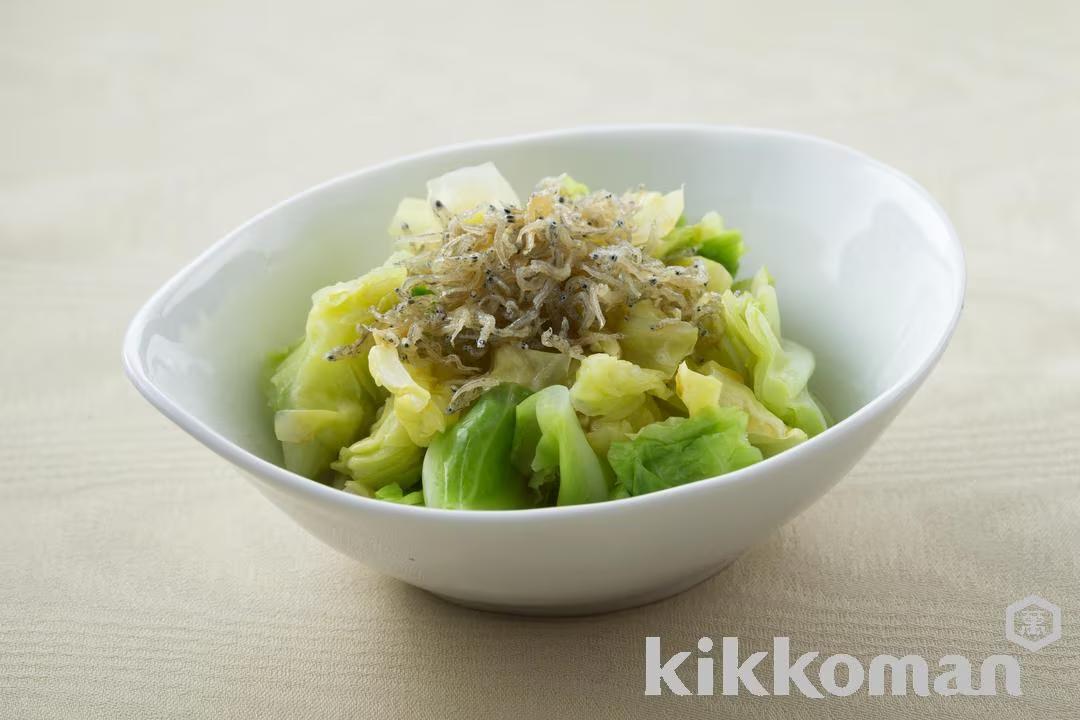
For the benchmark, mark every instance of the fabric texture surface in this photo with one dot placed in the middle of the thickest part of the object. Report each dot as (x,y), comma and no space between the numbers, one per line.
(141,576)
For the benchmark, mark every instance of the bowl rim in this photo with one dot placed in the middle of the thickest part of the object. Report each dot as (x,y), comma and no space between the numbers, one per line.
(315,493)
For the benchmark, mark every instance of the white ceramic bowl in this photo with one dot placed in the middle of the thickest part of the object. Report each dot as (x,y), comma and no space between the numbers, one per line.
(870,277)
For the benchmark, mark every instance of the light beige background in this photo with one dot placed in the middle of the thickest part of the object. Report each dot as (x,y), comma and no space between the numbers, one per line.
(141,577)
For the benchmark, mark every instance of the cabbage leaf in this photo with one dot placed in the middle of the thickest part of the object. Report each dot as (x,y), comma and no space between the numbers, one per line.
(680,450)
(534,369)
(550,445)
(468,466)
(321,405)
(653,341)
(611,387)
(716,386)
(469,188)
(387,456)
(420,397)
(780,368)
(707,238)
(656,215)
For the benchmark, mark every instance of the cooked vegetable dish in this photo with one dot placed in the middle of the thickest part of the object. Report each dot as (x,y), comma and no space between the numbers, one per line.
(576,347)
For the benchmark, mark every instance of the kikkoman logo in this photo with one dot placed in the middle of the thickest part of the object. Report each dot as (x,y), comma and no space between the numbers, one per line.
(910,672)
(1032,623)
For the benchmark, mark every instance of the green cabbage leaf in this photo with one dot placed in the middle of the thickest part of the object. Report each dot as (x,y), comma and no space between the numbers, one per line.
(680,450)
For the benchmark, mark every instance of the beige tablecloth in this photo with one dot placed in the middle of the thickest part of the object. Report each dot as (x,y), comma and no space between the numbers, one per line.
(141,577)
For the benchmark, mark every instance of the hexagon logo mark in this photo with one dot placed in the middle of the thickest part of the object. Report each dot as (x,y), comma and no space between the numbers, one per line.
(1033,623)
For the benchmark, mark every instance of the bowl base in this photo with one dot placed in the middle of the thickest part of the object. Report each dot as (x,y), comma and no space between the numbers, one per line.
(589,608)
